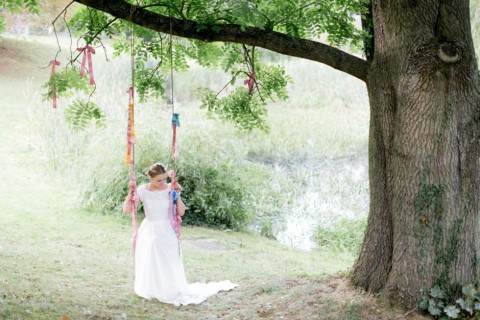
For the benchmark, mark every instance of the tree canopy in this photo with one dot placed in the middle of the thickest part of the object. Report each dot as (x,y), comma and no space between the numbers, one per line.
(230,35)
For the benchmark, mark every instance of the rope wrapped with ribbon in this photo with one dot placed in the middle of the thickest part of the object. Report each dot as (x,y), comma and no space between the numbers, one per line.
(175,218)
(54,98)
(130,161)
(175,124)
(130,127)
(133,203)
(87,53)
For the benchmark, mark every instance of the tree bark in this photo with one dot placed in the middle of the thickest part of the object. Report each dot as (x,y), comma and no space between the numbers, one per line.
(424,154)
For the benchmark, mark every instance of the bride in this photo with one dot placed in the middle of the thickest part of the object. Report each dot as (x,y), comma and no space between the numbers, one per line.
(159,271)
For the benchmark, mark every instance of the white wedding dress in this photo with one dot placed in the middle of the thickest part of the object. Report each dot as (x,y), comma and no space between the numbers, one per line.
(159,269)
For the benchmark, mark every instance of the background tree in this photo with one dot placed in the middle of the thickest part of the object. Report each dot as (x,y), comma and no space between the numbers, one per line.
(422,80)
(9,7)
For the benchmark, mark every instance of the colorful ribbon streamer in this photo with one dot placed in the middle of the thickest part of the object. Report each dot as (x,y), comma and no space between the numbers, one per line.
(250,81)
(87,52)
(175,124)
(130,161)
(176,119)
(133,202)
(130,127)
(54,63)
(175,219)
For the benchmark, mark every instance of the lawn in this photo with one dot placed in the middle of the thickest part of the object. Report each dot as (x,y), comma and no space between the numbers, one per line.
(58,261)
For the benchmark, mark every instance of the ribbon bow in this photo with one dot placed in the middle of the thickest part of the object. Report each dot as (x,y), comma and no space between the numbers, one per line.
(54,63)
(87,52)
(249,82)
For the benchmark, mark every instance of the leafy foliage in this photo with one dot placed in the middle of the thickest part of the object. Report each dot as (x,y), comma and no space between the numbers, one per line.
(155,53)
(14,6)
(244,110)
(66,83)
(90,24)
(429,199)
(79,114)
(442,304)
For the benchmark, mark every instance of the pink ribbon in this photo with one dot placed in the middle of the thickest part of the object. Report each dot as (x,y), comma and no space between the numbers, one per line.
(87,52)
(54,63)
(250,81)
(133,202)
(174,142)
(175,219)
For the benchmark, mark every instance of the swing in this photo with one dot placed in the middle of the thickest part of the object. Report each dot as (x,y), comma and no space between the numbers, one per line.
(174,217)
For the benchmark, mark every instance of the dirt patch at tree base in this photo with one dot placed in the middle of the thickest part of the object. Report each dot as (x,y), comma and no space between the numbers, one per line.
(331,297)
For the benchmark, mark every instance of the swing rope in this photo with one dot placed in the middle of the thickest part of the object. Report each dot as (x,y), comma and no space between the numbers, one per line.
(130,156)
(175,218)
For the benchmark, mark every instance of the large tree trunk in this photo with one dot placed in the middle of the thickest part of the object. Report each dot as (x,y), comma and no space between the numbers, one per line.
(423,227)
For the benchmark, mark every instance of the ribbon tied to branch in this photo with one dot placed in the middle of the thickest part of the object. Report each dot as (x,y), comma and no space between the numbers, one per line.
(87,53)
(54,98)
(250,81)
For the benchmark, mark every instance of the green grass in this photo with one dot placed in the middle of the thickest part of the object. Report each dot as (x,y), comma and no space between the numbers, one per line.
(59,261)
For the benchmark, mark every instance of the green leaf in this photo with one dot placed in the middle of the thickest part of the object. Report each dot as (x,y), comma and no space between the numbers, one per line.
(423,303)
(433,309)
(469,291)
(66,83)
(436,292)
(245,111)
(79,114)
(465,305)
(451,311)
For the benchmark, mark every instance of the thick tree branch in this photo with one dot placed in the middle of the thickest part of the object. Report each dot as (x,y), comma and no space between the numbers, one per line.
(271,40)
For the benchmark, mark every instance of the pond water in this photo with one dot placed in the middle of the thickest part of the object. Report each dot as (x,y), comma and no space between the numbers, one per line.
(337,189)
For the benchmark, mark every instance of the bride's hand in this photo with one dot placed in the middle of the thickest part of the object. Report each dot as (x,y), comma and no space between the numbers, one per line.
(177,187)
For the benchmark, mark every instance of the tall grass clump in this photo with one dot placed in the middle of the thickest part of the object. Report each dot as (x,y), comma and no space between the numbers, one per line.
(344,235)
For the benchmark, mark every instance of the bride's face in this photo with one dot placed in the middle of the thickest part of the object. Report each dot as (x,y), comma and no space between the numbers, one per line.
(159,181)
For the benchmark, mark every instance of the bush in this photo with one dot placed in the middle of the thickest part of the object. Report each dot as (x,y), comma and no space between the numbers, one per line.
(343,235)
(214,193)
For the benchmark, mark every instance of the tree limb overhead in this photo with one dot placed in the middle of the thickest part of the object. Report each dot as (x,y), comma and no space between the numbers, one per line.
(271,40)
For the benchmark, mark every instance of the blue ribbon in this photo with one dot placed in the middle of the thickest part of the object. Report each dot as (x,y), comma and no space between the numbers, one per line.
(176,119)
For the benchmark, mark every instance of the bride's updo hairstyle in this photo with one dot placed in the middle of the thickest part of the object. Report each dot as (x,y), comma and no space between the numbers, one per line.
(156,169)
